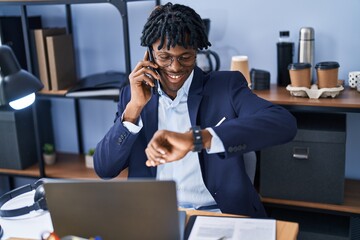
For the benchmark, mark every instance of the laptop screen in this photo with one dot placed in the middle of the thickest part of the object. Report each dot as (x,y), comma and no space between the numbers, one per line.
(121,209)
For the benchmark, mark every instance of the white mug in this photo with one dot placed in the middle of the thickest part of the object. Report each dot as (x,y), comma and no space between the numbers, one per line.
(354,78)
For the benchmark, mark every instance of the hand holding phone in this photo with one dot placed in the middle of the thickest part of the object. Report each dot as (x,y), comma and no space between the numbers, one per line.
(143,85)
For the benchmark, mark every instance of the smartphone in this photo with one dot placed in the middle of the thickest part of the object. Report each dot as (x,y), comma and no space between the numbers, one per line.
(151,59)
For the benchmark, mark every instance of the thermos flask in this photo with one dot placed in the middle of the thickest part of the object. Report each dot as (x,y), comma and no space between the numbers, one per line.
(306,46)
(285,52)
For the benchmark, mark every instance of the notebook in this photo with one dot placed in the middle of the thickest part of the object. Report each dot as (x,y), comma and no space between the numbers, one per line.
(121,209)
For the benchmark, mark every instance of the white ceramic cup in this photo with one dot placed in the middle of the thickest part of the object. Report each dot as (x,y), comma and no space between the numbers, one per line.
(354,78)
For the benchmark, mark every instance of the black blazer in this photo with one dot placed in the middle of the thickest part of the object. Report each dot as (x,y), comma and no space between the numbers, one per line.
(251,124)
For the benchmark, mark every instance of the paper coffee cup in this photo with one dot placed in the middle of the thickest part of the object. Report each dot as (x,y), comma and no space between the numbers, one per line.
(300,74)
(241,63)
(327,74)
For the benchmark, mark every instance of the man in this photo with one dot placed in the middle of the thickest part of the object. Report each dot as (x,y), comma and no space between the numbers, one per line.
(151,134)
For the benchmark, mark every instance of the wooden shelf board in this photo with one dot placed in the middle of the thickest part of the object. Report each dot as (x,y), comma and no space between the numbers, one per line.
(348,98)
(71,166)
(351,200)
(32,171)
(53,92)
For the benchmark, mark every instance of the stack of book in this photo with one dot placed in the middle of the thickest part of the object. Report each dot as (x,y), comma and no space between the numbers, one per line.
(56,67)
(55,58)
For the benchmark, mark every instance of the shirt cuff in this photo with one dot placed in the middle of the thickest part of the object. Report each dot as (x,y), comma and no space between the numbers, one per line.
(216,145)
(133,128)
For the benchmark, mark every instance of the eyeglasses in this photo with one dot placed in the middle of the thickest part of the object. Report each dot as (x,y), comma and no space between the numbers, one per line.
(165,60)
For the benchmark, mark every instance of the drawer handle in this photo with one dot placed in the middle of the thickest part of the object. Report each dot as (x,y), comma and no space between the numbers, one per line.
(301,152)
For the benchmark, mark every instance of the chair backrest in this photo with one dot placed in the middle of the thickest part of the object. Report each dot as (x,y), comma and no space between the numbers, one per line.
(250,165)
(208,60)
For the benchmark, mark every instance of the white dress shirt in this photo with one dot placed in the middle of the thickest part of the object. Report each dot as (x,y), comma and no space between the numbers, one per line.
(174,116)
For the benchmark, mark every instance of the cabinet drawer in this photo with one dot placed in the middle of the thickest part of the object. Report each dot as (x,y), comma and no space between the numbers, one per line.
(309,168)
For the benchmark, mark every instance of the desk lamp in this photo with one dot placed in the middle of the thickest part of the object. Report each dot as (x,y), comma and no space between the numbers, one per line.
(17,86)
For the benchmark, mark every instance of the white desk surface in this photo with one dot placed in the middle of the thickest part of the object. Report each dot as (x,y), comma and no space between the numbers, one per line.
(29,226)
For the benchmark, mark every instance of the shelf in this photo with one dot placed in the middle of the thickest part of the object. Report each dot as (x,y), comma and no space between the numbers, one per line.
(62,94)
(120,5)
(70,166)
(347,101)
(351,203)
(53,93)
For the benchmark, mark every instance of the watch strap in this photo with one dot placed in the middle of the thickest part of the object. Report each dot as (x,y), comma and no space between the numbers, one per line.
(197,139)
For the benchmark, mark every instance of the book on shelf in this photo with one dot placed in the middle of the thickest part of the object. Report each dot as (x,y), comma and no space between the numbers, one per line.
(60,50)
(41,52)
(100,84)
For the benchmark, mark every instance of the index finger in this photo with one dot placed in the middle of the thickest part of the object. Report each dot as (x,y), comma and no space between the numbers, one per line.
(146,55)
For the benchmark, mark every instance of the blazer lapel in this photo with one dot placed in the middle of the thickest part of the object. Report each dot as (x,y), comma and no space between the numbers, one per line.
(194,100)
(195,95)
(149,117)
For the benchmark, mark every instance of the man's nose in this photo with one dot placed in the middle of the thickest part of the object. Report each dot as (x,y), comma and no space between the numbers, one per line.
(175,65)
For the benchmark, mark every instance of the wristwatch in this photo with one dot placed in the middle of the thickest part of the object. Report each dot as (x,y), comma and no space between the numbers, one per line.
(198,143)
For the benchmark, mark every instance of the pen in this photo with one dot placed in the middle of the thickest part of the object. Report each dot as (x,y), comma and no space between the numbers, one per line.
(220,122)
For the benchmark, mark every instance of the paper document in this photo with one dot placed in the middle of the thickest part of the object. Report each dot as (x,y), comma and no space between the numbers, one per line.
(205,228)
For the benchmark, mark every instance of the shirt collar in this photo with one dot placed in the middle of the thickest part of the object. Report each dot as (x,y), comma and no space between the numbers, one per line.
(183,90)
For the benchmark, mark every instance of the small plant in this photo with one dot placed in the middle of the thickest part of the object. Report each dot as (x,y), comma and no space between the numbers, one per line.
(49,154)
(91,151)
(89,160)
(48,148)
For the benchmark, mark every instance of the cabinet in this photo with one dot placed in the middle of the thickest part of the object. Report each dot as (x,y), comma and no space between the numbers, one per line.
(69,165)
(319,220)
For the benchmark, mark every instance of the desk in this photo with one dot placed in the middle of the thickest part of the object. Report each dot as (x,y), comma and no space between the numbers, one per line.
(347,101)
(32,225)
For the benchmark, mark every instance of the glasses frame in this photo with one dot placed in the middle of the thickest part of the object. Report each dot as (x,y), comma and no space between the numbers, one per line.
(178,59)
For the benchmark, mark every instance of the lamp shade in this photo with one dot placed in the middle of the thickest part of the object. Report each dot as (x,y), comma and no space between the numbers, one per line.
(15,82)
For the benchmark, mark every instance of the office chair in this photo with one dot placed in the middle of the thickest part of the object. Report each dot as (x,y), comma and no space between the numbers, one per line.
(250,165)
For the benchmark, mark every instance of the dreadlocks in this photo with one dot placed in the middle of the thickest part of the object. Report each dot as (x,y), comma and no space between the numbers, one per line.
(178,24)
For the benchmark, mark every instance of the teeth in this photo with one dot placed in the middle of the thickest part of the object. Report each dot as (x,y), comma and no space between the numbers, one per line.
(175,76)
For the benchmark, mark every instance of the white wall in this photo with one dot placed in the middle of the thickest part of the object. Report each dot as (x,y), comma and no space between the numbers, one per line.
(237,27)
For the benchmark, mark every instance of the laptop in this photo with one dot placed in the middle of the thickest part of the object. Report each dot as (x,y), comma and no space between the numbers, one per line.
(120,209)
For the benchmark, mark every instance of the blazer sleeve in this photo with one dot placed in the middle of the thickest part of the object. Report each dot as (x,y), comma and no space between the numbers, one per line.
(112,152)
(256,123)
